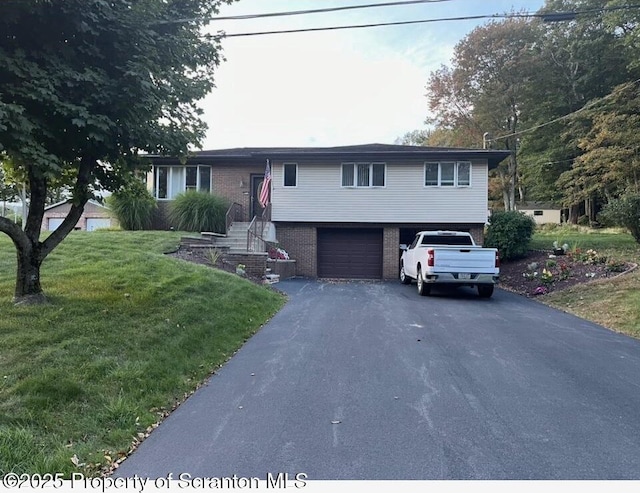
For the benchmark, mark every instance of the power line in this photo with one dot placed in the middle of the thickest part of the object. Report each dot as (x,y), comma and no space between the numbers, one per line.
(222,34)
(318,11)
(301,12)
(526,15)
(564,117)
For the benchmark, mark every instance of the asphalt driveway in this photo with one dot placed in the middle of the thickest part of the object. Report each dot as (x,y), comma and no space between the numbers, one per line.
(372,381)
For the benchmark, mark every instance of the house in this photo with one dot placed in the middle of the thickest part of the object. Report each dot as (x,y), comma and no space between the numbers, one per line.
(342,212)
(542,213)
(95,216)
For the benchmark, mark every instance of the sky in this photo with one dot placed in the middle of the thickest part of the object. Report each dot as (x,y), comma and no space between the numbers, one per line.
(332,88)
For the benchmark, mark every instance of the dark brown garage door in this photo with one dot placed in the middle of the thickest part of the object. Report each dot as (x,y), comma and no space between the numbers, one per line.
(350,253)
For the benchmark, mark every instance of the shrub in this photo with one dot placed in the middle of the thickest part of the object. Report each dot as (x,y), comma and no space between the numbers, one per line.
(510,232)
(133,206)
(625,212)
(198,211)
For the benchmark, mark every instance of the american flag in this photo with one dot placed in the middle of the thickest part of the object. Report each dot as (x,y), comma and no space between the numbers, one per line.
(266,186)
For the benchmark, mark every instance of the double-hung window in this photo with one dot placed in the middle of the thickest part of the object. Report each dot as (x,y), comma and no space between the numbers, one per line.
(447,174)
(170,181)
(363,175)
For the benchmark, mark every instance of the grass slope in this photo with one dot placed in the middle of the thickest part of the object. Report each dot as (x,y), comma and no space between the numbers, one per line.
(129,332)
(614,303)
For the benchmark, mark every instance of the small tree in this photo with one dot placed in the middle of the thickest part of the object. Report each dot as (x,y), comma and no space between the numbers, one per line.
(625,212)
(133,206)
(198,211)
(87,87)
(510,232)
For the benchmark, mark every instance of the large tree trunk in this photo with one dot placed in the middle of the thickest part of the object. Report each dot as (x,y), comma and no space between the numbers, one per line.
(31,252)
(28,289)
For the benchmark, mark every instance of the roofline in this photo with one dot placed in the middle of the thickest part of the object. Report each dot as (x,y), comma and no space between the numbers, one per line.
(494,157)
(90,201)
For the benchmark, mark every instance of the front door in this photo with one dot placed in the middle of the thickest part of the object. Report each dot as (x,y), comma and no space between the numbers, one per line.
(256,187)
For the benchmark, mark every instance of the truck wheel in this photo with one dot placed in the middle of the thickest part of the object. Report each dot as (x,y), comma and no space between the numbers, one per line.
(485,290)
(404,279)
(423,288)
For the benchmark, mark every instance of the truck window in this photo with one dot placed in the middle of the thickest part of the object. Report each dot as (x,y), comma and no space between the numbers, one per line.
(446,240)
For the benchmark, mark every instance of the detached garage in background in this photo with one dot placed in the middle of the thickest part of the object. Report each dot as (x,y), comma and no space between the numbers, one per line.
(95,216)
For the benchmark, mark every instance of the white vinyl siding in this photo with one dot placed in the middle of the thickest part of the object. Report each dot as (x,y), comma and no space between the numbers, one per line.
(169,181)
(447,174)
(322,196)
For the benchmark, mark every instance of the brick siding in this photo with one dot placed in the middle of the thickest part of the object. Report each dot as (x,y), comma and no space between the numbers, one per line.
(390,253)
(300,242)
(234,183)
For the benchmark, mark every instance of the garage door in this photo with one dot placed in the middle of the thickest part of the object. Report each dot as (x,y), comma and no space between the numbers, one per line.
(54,222)
(350,253)
(94,223)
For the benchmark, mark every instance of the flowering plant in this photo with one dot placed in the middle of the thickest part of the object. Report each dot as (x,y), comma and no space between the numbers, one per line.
(546,277)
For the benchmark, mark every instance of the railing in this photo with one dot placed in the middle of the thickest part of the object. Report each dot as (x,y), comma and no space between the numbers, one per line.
(233,214)
(255,233)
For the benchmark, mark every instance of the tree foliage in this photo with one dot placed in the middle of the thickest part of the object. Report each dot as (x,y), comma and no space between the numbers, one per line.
(624,211)
(609,165)
(85,86)
(523,79)
(484,90)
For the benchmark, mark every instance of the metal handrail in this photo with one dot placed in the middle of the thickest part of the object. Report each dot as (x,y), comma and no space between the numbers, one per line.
(255,232)
(234,213)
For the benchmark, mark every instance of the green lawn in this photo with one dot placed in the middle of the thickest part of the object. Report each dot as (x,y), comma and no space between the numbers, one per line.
(128,334)
(612,303)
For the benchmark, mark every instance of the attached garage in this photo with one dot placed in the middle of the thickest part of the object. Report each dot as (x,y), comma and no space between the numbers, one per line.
(349,253)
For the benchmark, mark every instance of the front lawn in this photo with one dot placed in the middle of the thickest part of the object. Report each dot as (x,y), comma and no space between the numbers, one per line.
(128,334)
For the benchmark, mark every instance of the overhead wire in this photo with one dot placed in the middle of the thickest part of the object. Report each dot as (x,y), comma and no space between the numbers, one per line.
(242,17)
(549,16)
(324,10)
(563,117)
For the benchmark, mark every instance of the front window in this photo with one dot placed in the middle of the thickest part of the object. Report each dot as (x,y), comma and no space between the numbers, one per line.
(169,181)
(162,182)
(204,175)
(431,174)
(290,174)
(447,174)
(363,175)
(464,174)
(192,179)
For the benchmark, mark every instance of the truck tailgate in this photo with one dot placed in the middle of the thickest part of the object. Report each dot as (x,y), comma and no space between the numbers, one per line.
(473,260)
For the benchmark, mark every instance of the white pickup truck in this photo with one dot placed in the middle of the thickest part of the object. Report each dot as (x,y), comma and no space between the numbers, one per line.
(449,257)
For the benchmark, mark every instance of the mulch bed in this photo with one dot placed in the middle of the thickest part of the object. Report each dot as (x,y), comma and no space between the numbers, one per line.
(200,256)
(520,276)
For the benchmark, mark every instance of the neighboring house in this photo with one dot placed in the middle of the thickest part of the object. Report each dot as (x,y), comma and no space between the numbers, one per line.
(343,211)
(542,213)
(95,216)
